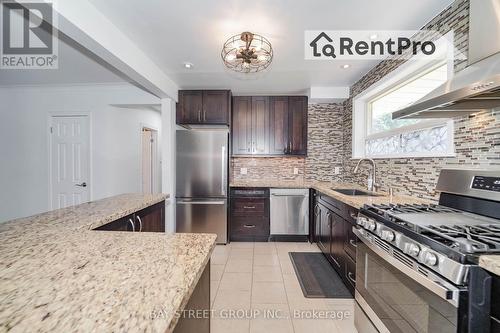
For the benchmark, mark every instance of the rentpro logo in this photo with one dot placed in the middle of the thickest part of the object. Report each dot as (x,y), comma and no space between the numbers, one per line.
(323,45)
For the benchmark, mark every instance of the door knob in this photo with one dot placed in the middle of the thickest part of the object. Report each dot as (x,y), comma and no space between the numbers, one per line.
(84,184)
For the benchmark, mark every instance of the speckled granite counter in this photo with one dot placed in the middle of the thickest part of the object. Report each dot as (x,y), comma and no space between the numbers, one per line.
(57,275)
(490,263)
(327,188)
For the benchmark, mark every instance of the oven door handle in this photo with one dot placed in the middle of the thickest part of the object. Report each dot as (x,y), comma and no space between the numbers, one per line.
(438,286)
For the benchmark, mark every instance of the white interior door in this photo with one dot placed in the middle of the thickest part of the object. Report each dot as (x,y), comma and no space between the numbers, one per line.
(70,161)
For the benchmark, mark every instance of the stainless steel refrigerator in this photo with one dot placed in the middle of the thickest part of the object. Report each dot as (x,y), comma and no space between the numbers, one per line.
(202,182)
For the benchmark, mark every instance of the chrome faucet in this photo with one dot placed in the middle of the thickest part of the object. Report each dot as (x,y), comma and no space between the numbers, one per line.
(372,177)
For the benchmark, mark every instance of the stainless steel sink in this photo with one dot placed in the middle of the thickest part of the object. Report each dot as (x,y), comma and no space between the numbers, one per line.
(355,192)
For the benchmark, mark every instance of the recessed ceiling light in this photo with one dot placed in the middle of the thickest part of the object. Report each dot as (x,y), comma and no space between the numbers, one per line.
(345,66)
(188,65)
(374,36)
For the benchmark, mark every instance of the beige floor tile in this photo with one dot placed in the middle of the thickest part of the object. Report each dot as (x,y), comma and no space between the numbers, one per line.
(242,245)
(219,259)
(267,274)
(232,299)
(236,281)
(238,266)
(266,260)
(271,318)
(214,286)
(222,249)
(220,325)
(241,254)
(314,325)
(216,272)
(265,250)
(268,292)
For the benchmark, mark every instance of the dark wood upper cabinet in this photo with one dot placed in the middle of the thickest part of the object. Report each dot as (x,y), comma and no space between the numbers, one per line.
(260,125)
(198,107)
(242,125)
(297,114)
(275,125)
(278,125)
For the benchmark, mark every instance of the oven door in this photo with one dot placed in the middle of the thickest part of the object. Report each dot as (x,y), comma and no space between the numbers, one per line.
(397,298)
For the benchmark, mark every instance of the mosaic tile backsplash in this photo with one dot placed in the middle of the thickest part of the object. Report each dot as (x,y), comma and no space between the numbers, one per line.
(477,137)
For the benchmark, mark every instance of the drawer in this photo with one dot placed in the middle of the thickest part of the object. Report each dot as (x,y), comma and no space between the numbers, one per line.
(350,273)
(249,192)
(249,207)
(350,242)
(335,205)
(244,227)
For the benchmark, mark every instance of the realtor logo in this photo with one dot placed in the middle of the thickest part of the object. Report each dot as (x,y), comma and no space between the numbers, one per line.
(28,38)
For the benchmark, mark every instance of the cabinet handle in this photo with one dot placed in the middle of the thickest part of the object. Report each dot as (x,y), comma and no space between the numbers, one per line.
(140,222)
(249,149)
(353,215)
(204,115)
(249,207)
(353,243)
(349,276)
(199,115)
(132,223)
(316,210)
(249,226)
(335,260)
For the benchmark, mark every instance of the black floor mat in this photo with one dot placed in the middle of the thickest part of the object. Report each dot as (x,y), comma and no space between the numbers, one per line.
(317,277)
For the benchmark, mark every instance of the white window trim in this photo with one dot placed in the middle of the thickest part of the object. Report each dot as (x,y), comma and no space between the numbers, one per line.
(404,73)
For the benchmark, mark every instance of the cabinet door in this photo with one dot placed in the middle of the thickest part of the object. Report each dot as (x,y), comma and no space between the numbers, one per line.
(325,230)
(190,107)
(297,113)
(337,242)
(123,224)
(279,125)
(216,107)
(151,219)
(242,125)
(260,125)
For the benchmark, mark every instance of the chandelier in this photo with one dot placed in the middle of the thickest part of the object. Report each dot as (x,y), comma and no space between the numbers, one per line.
(247,53)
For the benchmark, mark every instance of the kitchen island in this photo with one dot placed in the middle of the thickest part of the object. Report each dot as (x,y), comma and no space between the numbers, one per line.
(58,274)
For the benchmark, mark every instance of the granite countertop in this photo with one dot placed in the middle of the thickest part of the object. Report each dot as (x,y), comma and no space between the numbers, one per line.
(490,263)
(59,275)
(327,188)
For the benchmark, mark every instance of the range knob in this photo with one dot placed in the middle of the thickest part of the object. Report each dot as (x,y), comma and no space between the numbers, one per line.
(388,235)
(362,221)
(430,259)
(413,250)
(371,225)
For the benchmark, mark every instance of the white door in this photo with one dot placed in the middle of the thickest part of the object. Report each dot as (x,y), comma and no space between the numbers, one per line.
(70,161)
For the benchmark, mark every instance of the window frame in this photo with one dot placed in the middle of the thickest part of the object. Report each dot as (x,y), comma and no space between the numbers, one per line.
(361,111)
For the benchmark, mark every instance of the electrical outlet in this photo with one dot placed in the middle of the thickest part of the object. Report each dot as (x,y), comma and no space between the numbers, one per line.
(295,171)
(337,170)
(243,171)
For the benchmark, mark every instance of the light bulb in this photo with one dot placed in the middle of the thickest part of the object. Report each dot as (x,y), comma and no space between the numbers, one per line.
(231,56)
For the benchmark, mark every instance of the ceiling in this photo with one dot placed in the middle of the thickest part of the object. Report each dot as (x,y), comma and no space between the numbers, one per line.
(76,66)
(174,32)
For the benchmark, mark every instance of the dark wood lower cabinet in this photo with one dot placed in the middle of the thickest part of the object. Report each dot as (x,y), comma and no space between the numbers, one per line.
(249,217)
(332,225)
(149,219)
(199,305)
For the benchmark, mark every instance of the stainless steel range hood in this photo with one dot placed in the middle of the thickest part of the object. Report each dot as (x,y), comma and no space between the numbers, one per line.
(477,87)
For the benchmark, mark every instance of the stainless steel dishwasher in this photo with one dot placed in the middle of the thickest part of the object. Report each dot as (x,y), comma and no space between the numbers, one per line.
(289,212)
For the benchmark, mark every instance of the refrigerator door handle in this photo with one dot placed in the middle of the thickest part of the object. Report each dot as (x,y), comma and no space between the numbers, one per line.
(223,167)
(188,202)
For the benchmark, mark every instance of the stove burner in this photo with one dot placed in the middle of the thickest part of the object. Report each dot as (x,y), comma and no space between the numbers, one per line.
(456,231)
(469,239)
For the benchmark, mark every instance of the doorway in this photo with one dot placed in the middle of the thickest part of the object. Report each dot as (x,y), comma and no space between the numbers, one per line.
(69,160)
(149,160)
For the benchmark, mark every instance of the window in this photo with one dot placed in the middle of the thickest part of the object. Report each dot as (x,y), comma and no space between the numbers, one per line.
(383,137)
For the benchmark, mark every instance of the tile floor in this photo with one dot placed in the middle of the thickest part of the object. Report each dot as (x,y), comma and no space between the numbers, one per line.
(254,289)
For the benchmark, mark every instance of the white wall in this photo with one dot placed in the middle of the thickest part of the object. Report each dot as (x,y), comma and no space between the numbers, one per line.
(115,140)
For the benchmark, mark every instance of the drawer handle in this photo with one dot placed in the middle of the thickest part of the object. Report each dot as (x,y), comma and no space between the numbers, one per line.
(353,243)
(249,207)
(349,276)
(353,215)
(249,225)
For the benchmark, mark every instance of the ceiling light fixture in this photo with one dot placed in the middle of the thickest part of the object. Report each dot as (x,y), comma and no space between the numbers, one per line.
(346,66)
(247,53)
(188,65)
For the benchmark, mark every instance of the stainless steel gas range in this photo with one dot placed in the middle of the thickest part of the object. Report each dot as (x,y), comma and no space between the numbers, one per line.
(417,265)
